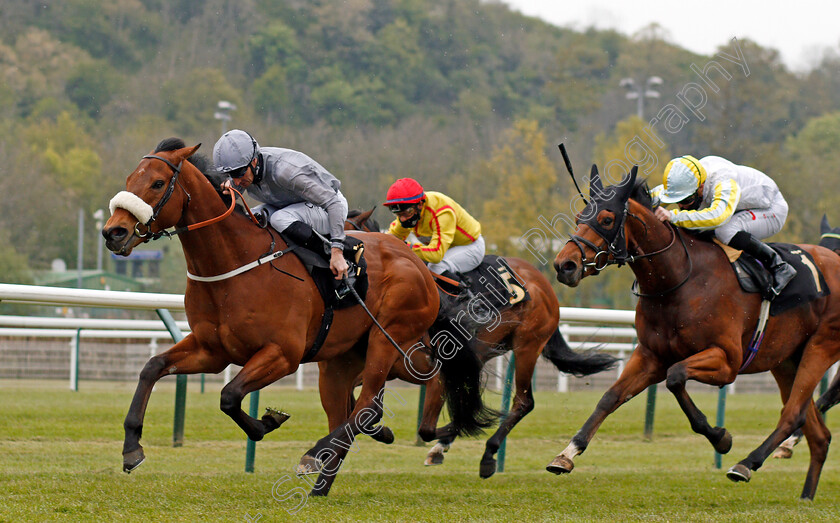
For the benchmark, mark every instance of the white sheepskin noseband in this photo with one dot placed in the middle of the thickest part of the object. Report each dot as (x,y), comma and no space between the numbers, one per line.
(133,204)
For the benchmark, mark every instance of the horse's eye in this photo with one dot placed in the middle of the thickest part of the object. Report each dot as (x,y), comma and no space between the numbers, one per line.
(606,222)
(158,184)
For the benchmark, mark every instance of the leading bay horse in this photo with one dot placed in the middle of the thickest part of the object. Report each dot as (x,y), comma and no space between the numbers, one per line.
(528,328)
(695,323)
(250,302)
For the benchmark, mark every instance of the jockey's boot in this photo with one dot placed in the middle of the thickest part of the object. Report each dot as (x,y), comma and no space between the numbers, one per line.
(302,234)
(782,271)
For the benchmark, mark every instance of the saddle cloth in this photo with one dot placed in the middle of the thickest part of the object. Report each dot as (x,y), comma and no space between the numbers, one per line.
(496,282)
(806,286)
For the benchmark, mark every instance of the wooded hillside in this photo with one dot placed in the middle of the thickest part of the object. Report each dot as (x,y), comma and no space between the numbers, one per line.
(466,96)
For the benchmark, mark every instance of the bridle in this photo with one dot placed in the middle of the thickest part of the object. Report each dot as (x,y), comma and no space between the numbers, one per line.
(176,169)
(268,257)
(130,201)
(616,252)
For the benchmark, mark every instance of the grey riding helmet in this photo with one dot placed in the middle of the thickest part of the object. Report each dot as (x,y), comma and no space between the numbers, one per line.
(234,150)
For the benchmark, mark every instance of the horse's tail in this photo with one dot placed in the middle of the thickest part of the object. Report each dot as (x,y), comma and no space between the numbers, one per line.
(461,376)
(558,352)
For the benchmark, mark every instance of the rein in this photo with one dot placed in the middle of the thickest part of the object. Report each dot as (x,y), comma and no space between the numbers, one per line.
(675,287)
(356,226)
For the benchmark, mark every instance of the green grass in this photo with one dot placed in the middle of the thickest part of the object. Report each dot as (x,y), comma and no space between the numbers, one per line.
(60,460)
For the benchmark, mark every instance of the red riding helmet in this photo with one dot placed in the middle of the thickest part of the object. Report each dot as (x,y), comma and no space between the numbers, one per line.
(404,193)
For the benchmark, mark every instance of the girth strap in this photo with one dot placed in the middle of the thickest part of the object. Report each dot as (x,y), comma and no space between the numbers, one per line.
(323,330)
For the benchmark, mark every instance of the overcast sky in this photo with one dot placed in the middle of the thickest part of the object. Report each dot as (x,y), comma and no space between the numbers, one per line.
(798,29)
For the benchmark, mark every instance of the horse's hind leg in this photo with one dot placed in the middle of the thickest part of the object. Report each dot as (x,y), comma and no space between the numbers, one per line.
(709,366)
(331,450)
(268,365)
(799,410)
(784,375)
(831,397)
(828,399)
(523,403)
(818,438)
(185,357)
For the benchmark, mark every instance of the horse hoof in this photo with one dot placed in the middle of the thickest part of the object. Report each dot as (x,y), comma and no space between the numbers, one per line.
(783,453)
(133,459)
(725,444)
(739,473)
(433,459)
(384,435)
(274,418)
(308,465)
(487,468)
(560,465)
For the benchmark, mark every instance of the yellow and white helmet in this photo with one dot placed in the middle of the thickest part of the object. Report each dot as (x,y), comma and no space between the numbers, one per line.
(681,179)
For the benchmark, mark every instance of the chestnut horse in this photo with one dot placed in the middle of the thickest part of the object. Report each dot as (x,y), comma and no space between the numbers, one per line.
(528,328)
(695,323)
(250,303)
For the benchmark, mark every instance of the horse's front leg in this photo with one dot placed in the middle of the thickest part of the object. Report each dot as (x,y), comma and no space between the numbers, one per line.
(523,403)
(185,357)
(642,370)
(265,367)
(711,367)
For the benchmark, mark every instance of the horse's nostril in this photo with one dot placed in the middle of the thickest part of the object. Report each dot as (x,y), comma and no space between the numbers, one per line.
(115,233)
(568,267)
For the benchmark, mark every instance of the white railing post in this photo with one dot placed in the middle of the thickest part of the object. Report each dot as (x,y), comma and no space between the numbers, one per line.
(74,363)
(299,377)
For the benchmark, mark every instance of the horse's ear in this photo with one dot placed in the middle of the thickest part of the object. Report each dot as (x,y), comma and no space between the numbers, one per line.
(824,226)
(186,152)
(595,185)
(628,183)
(192,150)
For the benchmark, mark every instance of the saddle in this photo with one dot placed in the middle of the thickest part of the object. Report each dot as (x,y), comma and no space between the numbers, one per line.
(495,282)
(318,266)
(808,285)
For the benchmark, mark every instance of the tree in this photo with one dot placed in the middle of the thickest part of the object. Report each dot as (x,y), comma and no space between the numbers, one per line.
(192,97)
(91,86)
(810,193)
(631,143)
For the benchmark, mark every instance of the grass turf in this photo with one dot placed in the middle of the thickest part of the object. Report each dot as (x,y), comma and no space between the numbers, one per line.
(60,460)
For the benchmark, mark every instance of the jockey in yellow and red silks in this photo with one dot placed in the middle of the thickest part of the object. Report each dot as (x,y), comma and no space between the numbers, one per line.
(455,243)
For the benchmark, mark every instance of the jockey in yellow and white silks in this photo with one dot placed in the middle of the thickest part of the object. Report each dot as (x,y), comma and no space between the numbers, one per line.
(741,204)
(455,242)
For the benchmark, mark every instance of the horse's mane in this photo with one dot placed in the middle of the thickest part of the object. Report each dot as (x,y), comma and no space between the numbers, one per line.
(641,193)
(203,164)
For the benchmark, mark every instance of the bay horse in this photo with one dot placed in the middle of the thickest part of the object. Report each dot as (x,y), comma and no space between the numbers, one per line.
(830,239)
(694,323)
(251,303)
(528,328)
(361,221)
